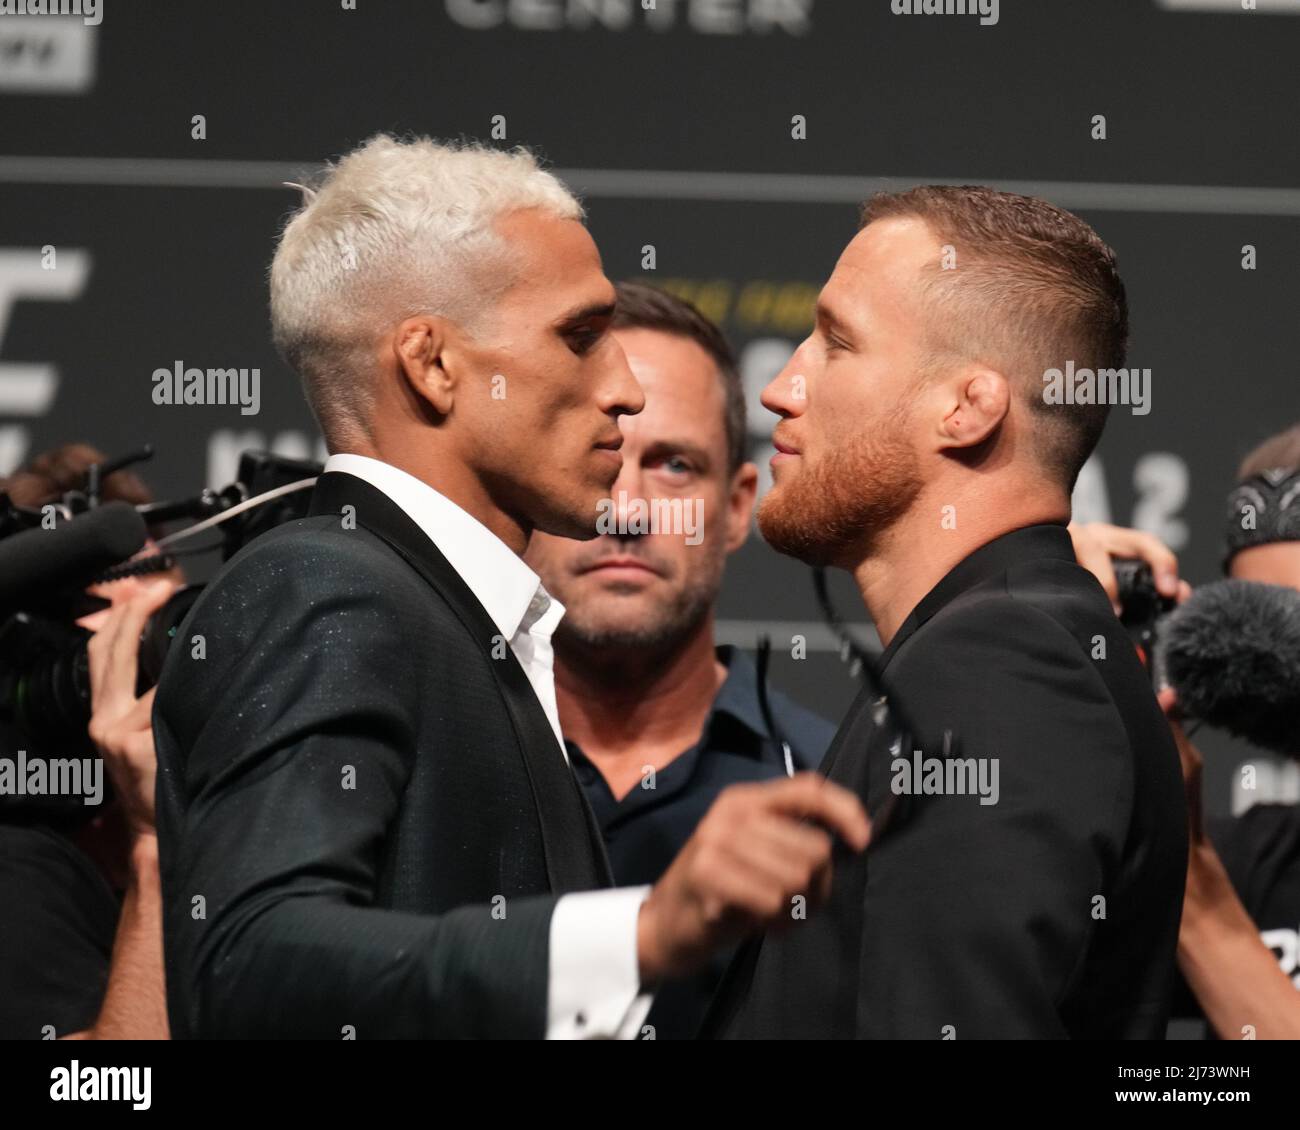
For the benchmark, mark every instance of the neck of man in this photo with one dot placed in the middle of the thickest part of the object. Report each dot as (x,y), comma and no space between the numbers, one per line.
(628,708)
(906,561)
(450,476)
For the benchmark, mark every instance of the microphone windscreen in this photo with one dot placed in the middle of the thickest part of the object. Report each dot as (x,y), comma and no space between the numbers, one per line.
(40,561)
(1232,652)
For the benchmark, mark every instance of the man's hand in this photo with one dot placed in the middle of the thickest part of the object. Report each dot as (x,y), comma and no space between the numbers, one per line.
(758,847)
(120,723)
(1235,977)
(1096,544)
(1190,758)
(1209,891)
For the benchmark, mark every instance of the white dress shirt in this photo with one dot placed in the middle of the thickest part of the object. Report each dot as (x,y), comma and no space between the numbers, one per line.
(594,982)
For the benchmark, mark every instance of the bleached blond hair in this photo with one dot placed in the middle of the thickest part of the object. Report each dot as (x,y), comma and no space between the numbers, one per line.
(394,229)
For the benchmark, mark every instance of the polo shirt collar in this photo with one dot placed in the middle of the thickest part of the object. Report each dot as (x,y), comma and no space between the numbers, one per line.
(738,695)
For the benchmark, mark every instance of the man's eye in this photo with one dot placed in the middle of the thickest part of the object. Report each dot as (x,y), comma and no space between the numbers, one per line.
(581,341)
(833,344)
(677,465)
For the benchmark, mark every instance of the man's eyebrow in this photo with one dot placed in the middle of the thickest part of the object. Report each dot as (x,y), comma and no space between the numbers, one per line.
(679,447)
(585,312)
(828,317)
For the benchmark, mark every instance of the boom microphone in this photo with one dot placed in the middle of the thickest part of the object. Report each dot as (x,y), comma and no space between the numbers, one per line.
(1232,652)
(74,553)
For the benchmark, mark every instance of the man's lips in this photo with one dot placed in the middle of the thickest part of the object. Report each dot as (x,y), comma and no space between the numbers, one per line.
(783,445)
(610,450)
(633,564)
(784,453)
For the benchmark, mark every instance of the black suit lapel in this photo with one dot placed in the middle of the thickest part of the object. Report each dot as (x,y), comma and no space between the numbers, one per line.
(757,994)
(575,854)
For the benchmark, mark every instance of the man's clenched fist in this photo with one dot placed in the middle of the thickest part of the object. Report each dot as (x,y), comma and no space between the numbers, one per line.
(758,847)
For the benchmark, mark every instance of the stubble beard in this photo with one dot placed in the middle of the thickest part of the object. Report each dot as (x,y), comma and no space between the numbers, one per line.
(667,628)
(836,509)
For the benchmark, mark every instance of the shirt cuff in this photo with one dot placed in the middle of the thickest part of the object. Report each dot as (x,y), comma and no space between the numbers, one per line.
(594,991)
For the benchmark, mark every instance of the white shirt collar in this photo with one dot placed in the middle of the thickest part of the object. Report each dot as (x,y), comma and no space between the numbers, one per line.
(509,591)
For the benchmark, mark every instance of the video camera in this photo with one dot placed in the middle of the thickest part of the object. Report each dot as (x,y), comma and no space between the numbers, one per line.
(49,556)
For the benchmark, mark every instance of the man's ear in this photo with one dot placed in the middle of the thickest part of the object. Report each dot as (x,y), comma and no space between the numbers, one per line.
(740,505)
(976,401)
(421,346)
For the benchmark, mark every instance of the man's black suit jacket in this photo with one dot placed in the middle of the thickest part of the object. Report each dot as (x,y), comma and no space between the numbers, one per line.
(1052,913)
(364,816)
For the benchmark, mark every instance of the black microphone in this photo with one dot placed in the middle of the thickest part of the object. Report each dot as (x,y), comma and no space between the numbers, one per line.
(1232,652)
(38,561)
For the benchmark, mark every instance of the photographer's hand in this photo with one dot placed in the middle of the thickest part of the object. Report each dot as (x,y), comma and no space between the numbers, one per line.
(120,723)
(135,1003)
(1097,544)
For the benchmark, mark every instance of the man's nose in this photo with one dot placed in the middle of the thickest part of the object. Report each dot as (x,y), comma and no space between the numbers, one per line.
(786,394)
(628,489)
(621,393)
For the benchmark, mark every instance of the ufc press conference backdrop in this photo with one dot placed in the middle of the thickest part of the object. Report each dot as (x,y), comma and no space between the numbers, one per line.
(722,148)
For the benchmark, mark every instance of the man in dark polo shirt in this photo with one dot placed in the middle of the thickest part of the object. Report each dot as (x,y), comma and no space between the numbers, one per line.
(657,720)
(645,827)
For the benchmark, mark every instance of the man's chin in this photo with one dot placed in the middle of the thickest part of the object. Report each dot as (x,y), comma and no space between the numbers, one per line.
(784,524)
(578,521)
(568,526)
(616,625)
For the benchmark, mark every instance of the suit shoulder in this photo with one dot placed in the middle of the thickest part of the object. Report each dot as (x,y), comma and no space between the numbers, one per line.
(313,557)
(318,539)
(301,580)
(1063,590)
(998,659)
(1021,618)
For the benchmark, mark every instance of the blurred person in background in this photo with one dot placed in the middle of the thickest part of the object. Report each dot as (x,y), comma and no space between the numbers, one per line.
(657,720)
(81,935)
(1239,943)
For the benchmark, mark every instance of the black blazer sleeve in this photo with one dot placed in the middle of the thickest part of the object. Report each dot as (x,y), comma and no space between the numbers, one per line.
(283,753)
(978,917)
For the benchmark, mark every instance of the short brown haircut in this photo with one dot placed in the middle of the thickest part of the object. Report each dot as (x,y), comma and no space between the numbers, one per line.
(645,307)
(1277,453)
(1034,287)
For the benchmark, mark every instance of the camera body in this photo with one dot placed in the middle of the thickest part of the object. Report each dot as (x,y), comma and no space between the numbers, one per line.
(1142,610)
(45,692)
